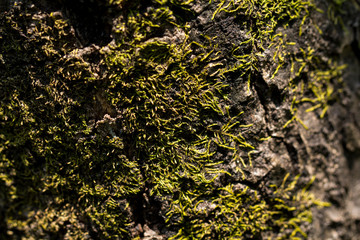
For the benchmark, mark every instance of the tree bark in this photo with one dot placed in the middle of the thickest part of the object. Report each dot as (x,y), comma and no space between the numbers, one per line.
(179,119)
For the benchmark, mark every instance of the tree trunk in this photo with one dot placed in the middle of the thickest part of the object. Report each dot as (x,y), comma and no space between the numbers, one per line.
(179,119)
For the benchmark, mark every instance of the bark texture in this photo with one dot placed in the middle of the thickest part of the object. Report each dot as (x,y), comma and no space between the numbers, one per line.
(179,119)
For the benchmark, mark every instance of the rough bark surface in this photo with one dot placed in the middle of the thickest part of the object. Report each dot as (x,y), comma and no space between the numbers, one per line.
(174,119)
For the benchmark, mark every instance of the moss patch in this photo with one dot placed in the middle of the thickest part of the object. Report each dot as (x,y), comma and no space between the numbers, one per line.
(161,130)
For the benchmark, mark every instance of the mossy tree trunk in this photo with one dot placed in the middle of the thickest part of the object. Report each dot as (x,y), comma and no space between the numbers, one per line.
(179,119)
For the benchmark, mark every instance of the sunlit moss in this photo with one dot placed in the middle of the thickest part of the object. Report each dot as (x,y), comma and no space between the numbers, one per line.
(80,140)
(268,20)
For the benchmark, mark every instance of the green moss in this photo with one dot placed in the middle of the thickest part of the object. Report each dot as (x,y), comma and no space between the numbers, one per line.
(309,74)
(163,127)
(324,85)
(243,213)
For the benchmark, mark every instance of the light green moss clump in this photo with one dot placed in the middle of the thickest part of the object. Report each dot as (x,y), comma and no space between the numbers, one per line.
(310,74)
(80,140)
(241,213)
